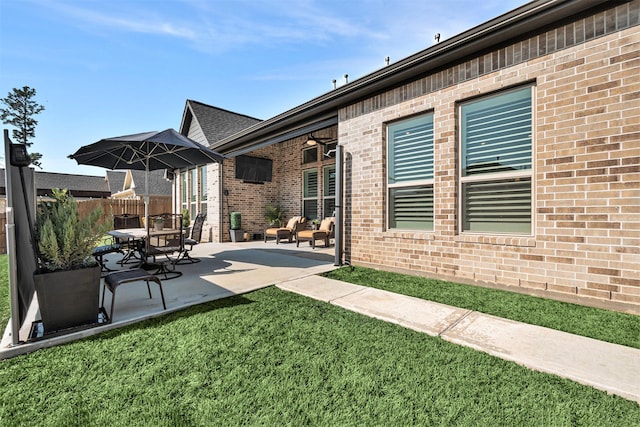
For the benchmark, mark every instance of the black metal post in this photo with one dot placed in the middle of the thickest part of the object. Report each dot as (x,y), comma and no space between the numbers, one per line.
(338,225)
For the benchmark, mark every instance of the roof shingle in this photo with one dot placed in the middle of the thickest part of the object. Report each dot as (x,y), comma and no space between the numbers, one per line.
(216,123)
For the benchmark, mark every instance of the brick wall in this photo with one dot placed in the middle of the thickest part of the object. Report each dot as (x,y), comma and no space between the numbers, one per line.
(284,191)
(586,176)
(247,198)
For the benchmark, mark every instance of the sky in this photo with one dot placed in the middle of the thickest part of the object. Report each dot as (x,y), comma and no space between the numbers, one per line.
(111,68)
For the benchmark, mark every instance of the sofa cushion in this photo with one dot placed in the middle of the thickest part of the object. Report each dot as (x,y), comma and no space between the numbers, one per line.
(292,222)
(325,225)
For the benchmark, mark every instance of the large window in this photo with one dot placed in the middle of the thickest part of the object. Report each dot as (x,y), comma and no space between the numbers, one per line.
(193,190)
(193,193)
(183,190)
(410,174)
(496,163)
(203,189)
(310,194)
(329,190)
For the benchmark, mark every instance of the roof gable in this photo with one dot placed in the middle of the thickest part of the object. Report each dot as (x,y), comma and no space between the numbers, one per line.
(115,180)
(213,123)
(158,185)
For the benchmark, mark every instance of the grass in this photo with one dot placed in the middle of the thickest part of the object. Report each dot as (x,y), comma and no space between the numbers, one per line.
(275,358)
(604,325)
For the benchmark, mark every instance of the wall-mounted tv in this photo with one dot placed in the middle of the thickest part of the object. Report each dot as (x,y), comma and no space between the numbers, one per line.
(253,169)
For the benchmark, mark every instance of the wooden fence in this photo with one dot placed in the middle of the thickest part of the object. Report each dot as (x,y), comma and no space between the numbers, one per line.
(109,207)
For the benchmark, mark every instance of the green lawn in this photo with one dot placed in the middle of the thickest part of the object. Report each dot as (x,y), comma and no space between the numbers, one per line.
(276,358)
(604,325)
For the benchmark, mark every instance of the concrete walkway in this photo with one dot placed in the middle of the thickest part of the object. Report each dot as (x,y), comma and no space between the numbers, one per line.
(609,367)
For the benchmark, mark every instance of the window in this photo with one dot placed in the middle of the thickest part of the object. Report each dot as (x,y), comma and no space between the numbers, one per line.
(203,189)
(496,163)
(310,194)
(329,191)
(184,189)
(410,174)
(309,155)
(193,194)
(193,190)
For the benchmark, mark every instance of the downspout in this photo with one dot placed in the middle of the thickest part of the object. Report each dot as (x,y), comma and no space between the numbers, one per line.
(220,201)
(338,225)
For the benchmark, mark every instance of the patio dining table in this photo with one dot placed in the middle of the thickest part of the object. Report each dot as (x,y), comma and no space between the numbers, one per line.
(134,237)
(140,235)
(129,233)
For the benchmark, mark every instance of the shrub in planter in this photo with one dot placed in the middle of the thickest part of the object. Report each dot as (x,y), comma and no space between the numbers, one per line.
(67,280)
(236,220)
(236,233)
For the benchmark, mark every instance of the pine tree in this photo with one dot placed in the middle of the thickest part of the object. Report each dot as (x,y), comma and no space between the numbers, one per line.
(21,107)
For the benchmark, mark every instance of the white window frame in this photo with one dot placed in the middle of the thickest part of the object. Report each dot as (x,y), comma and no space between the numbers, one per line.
(202,193)
(193,192)
(496,177)
(407,184)
(305,196)
(184,190)
(326,195)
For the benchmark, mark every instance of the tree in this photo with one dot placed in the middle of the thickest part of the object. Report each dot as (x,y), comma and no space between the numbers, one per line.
(21,107)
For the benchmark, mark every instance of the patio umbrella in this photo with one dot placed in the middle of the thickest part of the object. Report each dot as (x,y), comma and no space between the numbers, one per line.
(146,151)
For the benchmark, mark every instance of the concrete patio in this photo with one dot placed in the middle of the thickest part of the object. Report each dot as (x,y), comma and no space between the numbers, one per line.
(225,269)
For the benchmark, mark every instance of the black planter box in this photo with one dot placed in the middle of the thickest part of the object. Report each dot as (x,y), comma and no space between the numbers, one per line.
(68,299)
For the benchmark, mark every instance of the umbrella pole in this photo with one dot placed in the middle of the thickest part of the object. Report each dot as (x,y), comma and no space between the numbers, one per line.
(146,207)
(146,191)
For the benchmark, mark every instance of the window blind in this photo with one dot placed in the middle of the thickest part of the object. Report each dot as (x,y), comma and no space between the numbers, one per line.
(203,183)
(411,150)
(499,206)
(311,183)
(310,209)
(329,206)
(411,208)
(330,181)
(497,134)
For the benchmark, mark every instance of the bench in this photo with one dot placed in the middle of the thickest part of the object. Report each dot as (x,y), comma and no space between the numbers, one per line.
(113,280)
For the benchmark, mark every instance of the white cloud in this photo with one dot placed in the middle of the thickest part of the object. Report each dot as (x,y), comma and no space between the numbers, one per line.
(138,20)
(220,25)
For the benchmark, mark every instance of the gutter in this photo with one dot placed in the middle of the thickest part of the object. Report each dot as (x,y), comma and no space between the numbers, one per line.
(532,16)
